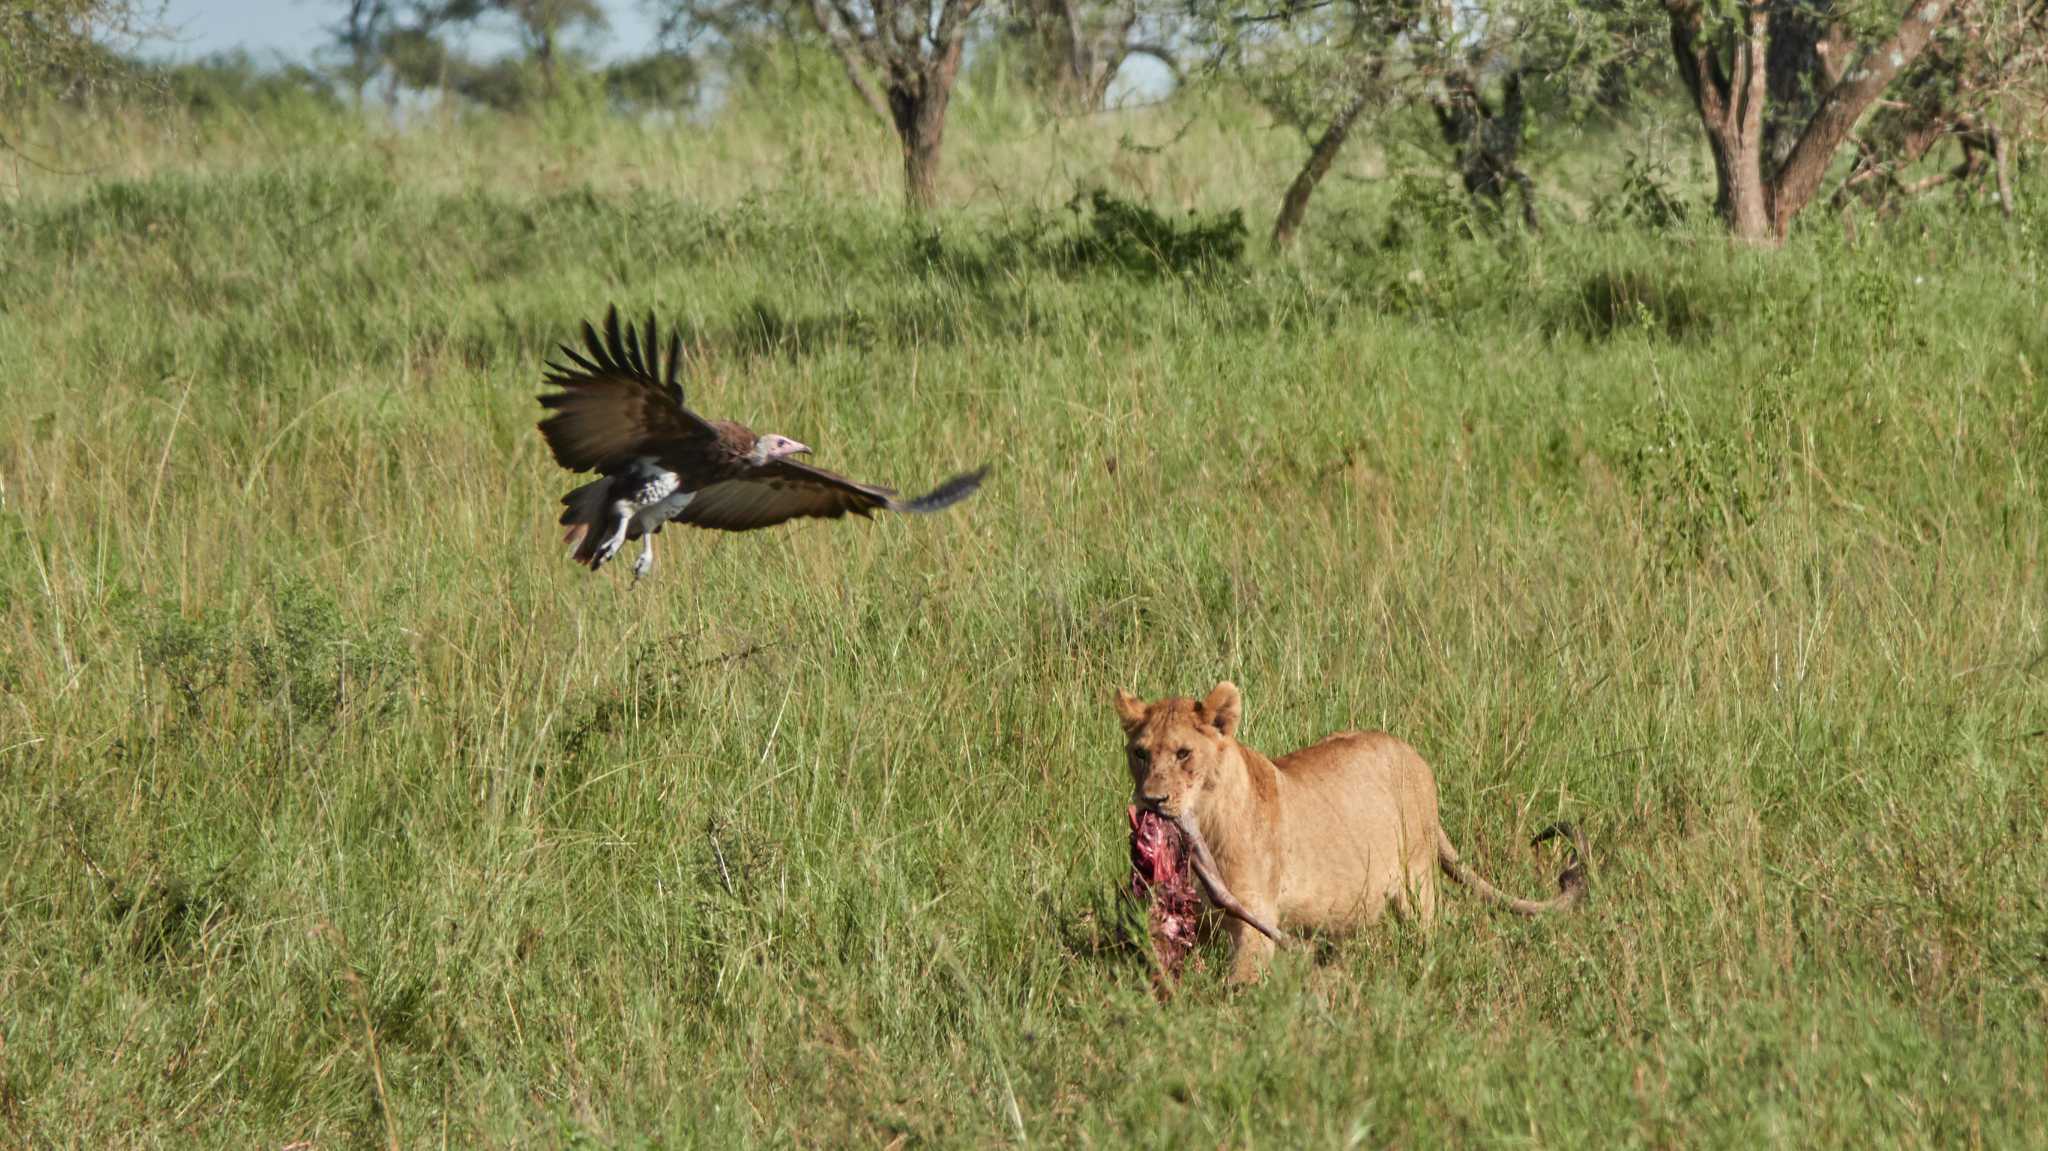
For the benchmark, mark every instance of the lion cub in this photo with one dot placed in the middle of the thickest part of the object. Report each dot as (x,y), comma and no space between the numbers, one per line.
(1322,839)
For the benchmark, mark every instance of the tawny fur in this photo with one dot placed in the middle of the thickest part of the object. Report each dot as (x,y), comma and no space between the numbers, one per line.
(1325,839)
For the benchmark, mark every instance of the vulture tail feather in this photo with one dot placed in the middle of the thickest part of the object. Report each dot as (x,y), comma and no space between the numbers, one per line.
(946,494)
(588,512)
(583,504)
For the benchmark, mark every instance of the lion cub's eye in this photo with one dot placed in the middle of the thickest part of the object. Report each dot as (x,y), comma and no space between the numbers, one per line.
(1140,755)
(1181,754)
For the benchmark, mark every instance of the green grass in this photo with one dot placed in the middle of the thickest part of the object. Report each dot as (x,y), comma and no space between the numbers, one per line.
(310,733)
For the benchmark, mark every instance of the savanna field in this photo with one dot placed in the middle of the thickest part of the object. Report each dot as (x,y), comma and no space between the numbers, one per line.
(338,809)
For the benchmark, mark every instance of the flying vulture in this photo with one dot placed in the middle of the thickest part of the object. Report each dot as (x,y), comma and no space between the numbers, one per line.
(620,413)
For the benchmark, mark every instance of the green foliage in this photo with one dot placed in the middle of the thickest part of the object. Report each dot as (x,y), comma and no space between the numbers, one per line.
(193,654)
(1644,196)
(660,82)
(1134,237)
(1425,212)
(1699,486)
(319,664)
(1648,302)
(68,48)
(235,82)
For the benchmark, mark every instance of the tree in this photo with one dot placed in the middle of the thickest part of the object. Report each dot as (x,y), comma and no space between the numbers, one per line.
(1487,136)
(1323,154)
(406,43)
(542,24)
(656,82)
(1726,64)
(1327,63)
(359,36)
(1078,47)
(914,49)
(1314,64)
(409,42)
(69,47)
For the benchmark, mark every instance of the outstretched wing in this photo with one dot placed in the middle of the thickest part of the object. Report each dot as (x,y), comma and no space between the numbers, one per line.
(618,400)
(786,490)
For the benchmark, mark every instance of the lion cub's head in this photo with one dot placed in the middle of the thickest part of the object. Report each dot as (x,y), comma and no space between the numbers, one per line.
(1176,747)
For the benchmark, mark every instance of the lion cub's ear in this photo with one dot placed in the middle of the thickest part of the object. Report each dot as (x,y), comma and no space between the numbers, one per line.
(1129,708)
(1226,705)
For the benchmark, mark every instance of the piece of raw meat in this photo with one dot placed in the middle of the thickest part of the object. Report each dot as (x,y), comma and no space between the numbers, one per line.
(1163,877)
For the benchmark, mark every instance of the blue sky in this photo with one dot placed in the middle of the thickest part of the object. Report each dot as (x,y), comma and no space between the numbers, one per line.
(295,28)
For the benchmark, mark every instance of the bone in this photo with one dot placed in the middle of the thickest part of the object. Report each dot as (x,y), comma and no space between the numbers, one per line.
(1212,879)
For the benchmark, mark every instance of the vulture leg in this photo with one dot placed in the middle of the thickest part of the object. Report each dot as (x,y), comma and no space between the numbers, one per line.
(645,562)
(615,538)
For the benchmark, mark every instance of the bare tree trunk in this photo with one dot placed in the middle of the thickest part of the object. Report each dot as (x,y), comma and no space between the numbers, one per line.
(1741,193)
(1080,57)
(2004,172)
(923,144)
(918,110)
(1730,102)
(918,62)
(1294,206)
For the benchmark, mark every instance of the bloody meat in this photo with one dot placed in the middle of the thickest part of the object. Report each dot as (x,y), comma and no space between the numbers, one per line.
(1163,875)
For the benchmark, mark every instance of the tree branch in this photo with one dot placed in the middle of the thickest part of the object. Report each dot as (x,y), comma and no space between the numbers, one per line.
(953,23)
(843,47)
(1696,63)
(1807,164)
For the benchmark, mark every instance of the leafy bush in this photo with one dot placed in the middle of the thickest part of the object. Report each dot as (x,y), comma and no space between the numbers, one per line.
(1654,303)
(320,664)
(196,654)
(1137,238)
(1643,197)
(1697,485)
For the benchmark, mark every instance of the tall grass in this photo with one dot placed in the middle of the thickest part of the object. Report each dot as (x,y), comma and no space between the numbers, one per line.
(336,806)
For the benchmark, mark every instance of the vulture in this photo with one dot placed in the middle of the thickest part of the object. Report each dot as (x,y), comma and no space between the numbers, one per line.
(619,412)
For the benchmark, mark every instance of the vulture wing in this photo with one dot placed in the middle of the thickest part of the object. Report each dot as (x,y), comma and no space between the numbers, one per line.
(786,490)
(618,400)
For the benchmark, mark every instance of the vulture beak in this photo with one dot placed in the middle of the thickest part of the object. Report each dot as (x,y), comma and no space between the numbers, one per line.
(797,449)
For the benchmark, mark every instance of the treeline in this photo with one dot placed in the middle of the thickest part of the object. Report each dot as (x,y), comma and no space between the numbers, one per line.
(1798,102)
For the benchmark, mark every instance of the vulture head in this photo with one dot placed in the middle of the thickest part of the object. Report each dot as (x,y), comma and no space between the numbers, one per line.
(775,447)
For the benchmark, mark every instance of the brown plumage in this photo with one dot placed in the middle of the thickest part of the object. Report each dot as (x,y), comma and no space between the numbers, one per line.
(620,412)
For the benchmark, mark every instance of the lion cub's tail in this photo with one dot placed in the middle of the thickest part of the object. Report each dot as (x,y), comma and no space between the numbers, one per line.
(1571,886)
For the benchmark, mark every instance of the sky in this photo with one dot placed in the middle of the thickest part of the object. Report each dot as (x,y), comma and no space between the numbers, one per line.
(295,28)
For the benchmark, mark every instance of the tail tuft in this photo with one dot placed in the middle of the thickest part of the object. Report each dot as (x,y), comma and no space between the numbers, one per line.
(1572,882)
(585,510)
